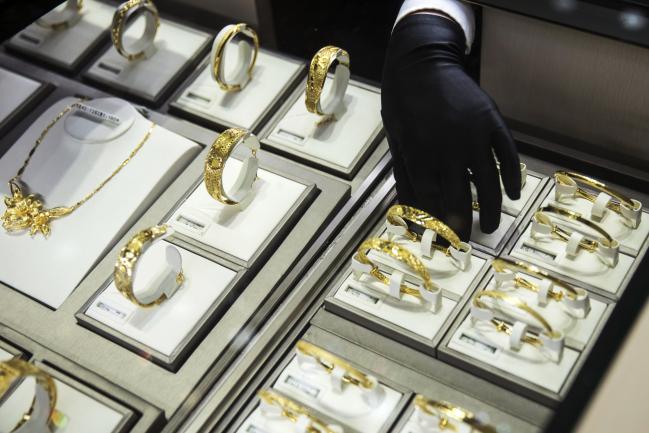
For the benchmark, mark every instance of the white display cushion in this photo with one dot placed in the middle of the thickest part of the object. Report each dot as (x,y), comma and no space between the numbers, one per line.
(632,239)
(4,355)
(66,46)
(258,423)
(313,389)
(175,46)
(514,207)
(15,90)
(244,108)
(65,169)
(165,326)
(491,240)
(367,295)
(577,331)
(81,411)
(483,343)
(237,231)
(442,271)
(338,144)
(584,267)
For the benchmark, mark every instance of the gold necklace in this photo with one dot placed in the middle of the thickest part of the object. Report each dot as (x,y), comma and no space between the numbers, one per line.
(26,212)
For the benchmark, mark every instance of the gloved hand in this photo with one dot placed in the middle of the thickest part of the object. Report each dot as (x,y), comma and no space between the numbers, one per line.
(441,126)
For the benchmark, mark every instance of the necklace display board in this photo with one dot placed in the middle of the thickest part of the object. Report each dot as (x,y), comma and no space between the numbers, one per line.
(19,95)
(178,49)
(59,171)
(69,47)
(204,102)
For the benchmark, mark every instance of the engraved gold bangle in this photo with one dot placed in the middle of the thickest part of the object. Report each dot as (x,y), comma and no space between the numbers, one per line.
(293,411)
(143,46)
(69,16)
(562,234)
(320,65)
(445,412)
(218,50)
(127,258)
(401,254)
(502,265)
(15,369)
(216,159)
(624,206)
(329,362)
(398,214)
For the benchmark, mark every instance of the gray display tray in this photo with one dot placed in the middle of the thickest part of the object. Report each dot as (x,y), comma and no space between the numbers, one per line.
(348,174)
(28,104)
(220,124)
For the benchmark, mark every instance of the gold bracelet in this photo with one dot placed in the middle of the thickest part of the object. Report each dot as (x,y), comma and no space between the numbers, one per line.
(318,69)
(501,265)
(70,16)
(16,369)
(127,260)
(223,38)
(216,159)
(124,12)
(401,254)
(329,362)
(293,411)
(626,207)
(445,412)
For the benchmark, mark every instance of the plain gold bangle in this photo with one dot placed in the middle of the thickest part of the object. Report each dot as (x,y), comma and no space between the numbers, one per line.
(564,178)
(292,411)
(501,265)
(446,411)
(318,69)
(219,49)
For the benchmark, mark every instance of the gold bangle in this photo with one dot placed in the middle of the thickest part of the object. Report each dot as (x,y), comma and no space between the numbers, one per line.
(16,369)
(318,69)
(515,302)
(70,17)
(446,411)
(329,362)
(293,411)
(562,234)
(127,260)
(215,162)
(401,254)
(121,17)
(217,58)
(398,213)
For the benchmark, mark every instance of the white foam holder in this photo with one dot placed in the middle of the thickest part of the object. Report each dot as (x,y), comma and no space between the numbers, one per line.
(79,409)
(235,231)
(587,267)
(339,144)
(175,46)
(491,240)
(66,47)
(420,422)
(245,108)
(348,405)
(631,239)
(15,90)
(77,154)
(267,419)
(480,341)
(410,313)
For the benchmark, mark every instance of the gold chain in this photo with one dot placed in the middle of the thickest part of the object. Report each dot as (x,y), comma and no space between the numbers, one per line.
(27,212)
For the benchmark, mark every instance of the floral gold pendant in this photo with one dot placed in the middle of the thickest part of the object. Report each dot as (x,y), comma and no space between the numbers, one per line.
(26,212)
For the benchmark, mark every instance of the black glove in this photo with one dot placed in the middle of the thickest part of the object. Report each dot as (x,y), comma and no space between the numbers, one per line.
(440,124)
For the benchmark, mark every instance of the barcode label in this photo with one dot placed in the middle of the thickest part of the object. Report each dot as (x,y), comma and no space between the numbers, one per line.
(306,388)
(362,296)
(295,138)
(537,252)
(488,348)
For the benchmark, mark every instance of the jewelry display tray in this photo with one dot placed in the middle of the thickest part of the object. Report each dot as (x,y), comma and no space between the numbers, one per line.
(22,93)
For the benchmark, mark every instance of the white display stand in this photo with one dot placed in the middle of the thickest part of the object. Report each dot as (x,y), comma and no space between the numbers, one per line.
(81,411)
(338,145)
(4,355)
(15,90)
(314,389)
(631,240)
(483,343)
(585,267)
(164,327)
(515,207)
(257,422)
(66,48)
(271,76)
(237,231)
(442,271)
(176,46)
(577,331)
(492,240)
(64,169)
(367,295)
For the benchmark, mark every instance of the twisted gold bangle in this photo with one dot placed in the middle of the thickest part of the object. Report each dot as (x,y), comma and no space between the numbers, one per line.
(126,264)
(446,411)
(329,362)
(219,48)
(318,69)
(293,411)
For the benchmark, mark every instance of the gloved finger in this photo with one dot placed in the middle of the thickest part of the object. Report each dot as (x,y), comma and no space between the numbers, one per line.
(505,149)
(405,191)
(487,185)
(456,199)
